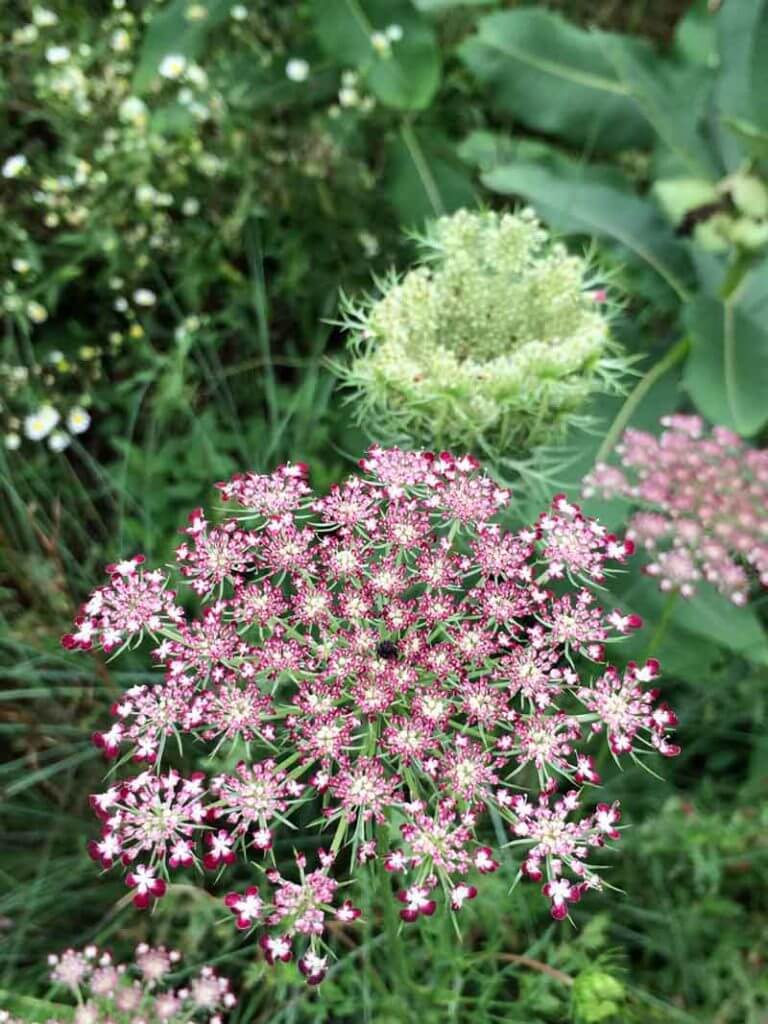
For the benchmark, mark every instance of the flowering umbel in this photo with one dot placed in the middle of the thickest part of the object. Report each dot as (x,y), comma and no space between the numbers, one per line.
(702,498)
(493,342)
(389,656)
(139,991)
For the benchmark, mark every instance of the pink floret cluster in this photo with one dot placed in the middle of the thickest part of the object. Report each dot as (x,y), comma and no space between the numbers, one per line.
(384,667)
(139,992)
(702,497)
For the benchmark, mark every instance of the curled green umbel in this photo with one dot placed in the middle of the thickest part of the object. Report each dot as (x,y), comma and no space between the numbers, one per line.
(493,342)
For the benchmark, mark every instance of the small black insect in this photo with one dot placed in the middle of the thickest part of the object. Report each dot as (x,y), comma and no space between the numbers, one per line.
(388,650)
(701,214)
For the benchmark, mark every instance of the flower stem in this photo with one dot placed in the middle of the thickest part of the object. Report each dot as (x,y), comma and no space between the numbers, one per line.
(635,397)
(661,628)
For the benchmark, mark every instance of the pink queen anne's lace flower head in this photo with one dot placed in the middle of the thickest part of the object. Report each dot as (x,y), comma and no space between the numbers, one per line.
(701,500)
(386,660)
(108,991)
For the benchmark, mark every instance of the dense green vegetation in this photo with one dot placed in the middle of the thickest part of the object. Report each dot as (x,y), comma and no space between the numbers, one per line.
(193,196)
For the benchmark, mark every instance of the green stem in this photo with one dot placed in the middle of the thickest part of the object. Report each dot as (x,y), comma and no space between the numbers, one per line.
(658,634)
(635,397)
(413,146)
(394,939)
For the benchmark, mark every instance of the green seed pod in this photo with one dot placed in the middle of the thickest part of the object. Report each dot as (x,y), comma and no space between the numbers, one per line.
(492,343)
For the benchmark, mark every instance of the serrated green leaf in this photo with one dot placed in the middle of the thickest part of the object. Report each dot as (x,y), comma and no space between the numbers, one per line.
(556,78)
(727,370)
(579,206)
(408,76)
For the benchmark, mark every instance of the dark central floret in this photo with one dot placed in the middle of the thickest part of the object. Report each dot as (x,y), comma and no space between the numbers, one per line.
(388,650)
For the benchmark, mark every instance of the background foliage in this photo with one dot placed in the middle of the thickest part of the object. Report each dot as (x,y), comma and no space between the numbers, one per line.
(300,189)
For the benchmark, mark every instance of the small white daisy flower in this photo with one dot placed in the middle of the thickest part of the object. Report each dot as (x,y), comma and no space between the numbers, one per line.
(57,54)
(297,69)
(40,423)
(14,165)
(78,420)
(44,18)
(58,441)
(144,297)
(37,312)
(173,66)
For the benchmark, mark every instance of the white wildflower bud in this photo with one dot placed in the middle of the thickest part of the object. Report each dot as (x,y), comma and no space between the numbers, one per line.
(494,341)
(120,41)
(25,35)
(348,97)
(191,206)
(57,54)
(14,165)
(144,297)
(78,420)
(37,312)
(297,69)
(133,111)
(172,66)
(58,441)
(44,18)
(381,44)
(40,423)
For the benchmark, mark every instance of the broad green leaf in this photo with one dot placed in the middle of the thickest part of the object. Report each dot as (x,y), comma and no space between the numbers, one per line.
(727,370)
(671,97)
(408,75)
(486,150)
(587,207)
(489,150)
(711,616)
(429,6)
(171,31)
(742,33)
(424,179)
(752,138)
(707,616)
(696,36)
(556,78)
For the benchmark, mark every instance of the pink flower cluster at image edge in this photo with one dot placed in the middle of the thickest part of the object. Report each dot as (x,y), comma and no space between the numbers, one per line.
(703,499)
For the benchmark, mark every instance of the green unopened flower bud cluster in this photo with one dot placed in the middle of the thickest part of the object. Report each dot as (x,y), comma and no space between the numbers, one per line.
(494,341)
(720,216)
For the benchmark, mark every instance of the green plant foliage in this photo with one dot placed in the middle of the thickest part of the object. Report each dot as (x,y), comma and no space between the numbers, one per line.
(246,195)
(403,74)
(556,78)
(727,373)
(588,207)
